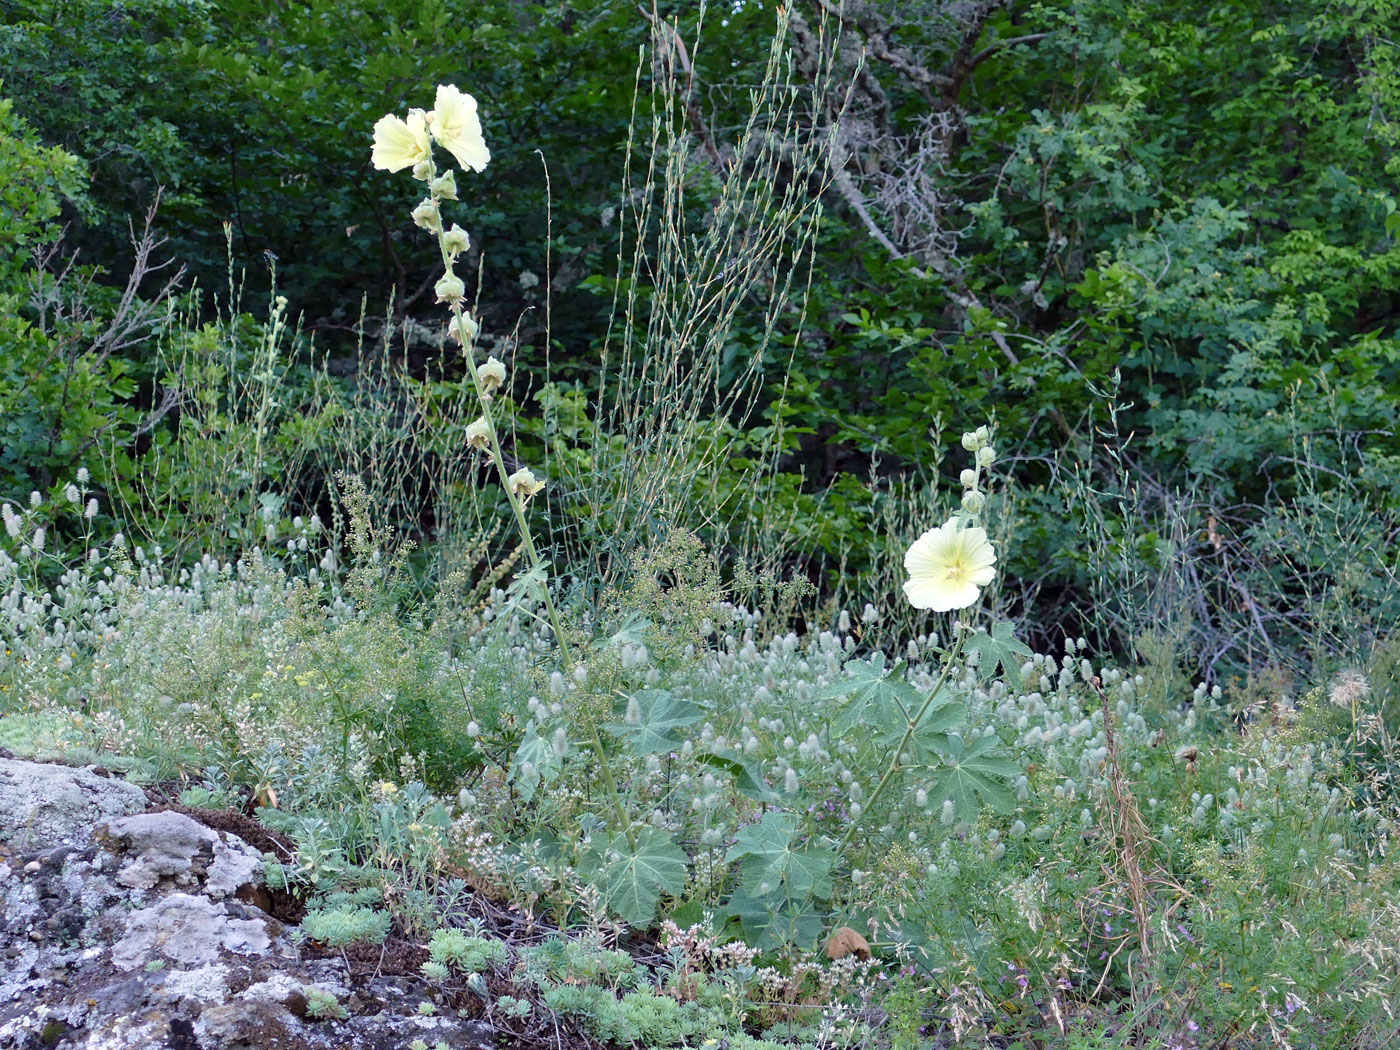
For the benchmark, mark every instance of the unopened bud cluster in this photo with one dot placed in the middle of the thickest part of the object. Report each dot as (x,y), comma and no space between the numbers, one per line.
(978,442)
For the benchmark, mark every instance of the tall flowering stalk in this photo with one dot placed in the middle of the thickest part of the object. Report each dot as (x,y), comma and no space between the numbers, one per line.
(399,143)
(948,567)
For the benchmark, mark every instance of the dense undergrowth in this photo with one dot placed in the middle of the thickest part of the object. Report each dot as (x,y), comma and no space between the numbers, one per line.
(574,674)
(1075,854)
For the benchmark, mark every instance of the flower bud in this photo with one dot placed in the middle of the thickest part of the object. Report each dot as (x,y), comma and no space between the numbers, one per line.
(423,170)
(456,240)
(450,288)
(986,456)
(524,483)
(969,441)
(968,479)
(426,215)
(492,374)
(444,186)
(478,434)
(973,502)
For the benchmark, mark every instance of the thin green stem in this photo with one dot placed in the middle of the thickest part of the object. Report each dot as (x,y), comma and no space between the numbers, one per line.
(909,731)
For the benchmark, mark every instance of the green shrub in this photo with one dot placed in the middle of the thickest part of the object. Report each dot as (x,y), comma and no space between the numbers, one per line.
(340,927)
(466,954)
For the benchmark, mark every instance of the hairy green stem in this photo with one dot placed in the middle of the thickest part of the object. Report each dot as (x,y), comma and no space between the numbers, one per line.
(909,731)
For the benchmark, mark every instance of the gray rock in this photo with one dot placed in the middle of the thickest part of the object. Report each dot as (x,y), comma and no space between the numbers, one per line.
(188,930)
(43,804)
(132,939)
(173,846)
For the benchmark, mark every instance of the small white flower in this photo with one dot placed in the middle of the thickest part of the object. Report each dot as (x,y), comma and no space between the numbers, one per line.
(83,475)
(91,510)
(528,280)
(478,434)
(457,128)
(37,541)
(13,524)
(400,143)
(72,495)
(948,566)
(35,499)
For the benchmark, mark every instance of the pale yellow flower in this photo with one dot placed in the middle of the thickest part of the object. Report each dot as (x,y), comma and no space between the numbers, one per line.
(456,127)
(399,143)
(948,566)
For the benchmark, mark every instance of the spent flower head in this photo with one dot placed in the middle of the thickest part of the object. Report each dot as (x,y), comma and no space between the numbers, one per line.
(450,288)
(455,241)
(444,186)
(478,434)
(493,374)
(467,322)
(524,483)
(426,216)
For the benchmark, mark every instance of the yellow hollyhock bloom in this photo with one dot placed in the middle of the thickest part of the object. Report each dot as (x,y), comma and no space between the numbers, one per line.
(401,143)
(948,566)
(456,127)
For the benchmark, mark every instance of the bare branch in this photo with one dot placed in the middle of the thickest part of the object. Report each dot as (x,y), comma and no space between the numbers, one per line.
(997,45)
